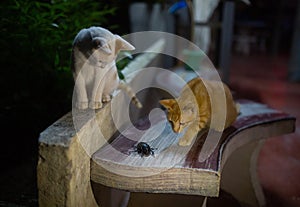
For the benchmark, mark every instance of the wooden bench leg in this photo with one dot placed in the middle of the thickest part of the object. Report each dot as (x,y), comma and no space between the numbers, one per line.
(239,175)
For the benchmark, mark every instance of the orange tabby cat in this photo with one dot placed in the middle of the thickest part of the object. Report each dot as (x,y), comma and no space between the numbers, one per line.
(193,108)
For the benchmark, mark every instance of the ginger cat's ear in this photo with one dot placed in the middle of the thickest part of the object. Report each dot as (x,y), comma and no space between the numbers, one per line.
(167,103)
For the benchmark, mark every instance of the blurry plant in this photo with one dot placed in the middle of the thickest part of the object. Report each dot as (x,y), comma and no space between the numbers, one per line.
(47,29)
(123,62)
(36,40)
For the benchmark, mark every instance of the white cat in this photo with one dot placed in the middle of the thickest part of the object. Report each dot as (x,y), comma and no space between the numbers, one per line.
(93,65)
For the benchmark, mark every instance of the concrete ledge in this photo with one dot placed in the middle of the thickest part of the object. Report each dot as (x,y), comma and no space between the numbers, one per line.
(63,170)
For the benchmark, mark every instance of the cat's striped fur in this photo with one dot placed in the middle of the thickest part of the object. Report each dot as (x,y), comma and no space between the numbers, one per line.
(199,100)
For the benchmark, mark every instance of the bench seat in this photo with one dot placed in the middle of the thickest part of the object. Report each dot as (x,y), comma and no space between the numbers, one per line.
(74,159)
(176,169)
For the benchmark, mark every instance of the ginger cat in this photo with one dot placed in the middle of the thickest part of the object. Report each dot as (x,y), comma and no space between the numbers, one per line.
(193,109)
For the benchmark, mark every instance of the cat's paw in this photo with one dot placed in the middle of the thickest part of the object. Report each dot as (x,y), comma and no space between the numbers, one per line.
(106,98)
(185,142)
(81,105)
(218,128)
(202,124)
(95,105)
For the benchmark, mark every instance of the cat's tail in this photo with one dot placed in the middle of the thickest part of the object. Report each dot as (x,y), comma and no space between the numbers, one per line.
(131,94)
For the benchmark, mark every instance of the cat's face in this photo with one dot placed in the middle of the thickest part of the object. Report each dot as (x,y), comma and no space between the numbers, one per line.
(100,46)
(179,115)
(105,50)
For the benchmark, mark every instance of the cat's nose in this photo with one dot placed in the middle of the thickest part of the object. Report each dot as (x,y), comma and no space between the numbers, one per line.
(177,129)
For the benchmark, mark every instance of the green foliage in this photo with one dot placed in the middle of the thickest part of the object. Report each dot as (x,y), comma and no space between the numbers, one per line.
(123,62)
(35,44)
(46,29)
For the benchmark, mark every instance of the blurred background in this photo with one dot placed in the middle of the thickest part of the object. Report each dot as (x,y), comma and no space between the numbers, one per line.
(255,45)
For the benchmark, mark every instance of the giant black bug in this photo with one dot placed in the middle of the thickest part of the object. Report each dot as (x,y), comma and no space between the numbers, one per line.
(144,149)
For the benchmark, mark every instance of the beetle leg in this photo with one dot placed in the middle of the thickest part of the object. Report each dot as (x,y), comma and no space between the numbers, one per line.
(133,150)
(152,152)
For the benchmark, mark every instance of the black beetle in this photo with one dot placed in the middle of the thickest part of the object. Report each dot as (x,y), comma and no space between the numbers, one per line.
(143,149)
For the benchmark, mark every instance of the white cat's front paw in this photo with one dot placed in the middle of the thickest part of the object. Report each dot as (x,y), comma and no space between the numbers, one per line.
(95,105)
(106,98)
(81,105)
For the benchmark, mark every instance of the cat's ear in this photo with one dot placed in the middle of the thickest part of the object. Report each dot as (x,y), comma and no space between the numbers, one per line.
(167,103)
(100,43)
(122,44)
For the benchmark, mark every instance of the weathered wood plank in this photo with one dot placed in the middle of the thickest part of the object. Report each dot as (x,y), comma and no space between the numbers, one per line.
(176,169)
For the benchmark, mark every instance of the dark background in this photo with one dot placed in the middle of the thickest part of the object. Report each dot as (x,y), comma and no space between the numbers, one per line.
(36,82)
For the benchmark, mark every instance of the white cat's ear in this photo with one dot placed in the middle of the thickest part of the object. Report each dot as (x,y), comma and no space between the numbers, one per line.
(122,44)
(100,43)
(167,103)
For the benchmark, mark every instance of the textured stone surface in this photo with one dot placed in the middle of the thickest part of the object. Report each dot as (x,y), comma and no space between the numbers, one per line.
(63,170)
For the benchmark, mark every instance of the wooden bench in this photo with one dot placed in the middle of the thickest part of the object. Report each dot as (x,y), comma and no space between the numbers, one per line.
(66,170)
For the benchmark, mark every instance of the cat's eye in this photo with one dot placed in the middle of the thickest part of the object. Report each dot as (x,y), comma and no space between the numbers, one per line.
(97,43)
(182,124)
